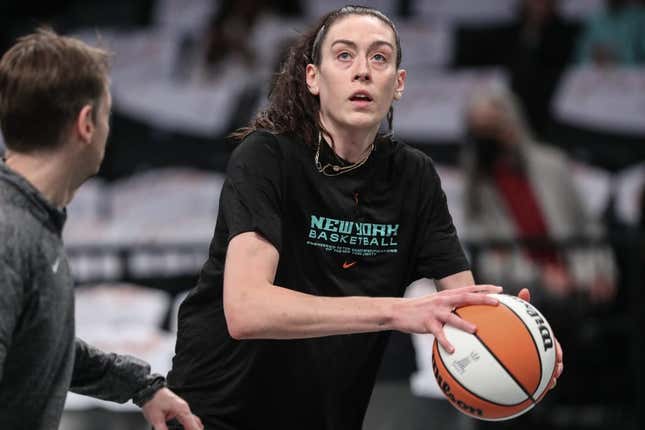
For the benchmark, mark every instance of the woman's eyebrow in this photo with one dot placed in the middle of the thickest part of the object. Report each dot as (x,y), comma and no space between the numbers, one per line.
(354,46)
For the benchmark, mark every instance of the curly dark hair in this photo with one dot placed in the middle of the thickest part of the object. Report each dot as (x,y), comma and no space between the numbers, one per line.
(292,108)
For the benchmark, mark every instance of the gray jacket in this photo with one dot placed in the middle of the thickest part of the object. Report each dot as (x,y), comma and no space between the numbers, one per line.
(549,175)
(40,358)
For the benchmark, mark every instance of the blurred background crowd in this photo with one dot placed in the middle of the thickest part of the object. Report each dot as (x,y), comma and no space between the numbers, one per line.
(533,111)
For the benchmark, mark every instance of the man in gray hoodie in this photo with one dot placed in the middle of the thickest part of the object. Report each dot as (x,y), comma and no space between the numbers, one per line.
(54,114)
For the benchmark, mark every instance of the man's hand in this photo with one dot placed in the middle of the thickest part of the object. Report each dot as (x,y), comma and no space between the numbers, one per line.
(166,405)
(525,295)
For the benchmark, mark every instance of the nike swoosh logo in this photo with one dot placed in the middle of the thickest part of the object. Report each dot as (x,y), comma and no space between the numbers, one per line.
(348,264)
(55,265)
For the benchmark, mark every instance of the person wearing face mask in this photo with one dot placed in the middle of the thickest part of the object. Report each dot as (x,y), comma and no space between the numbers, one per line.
(517,188)
(323,222)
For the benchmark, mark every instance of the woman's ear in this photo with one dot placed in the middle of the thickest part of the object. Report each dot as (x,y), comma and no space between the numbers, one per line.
(400,84)
(312,79)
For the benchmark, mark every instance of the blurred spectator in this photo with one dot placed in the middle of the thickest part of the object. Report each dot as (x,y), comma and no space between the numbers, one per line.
(230,31)
(535,49)
(541,46)
(229,34)
(225,43)
(517,188)
(615,35)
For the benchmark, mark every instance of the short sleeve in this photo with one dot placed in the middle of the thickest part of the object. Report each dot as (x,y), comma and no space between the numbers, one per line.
(252,193)
(441,253)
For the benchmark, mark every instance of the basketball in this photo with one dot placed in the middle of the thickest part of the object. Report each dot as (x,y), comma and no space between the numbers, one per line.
(504,368)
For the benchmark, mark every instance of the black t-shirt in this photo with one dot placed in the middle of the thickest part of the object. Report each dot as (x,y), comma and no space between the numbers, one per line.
(368,232)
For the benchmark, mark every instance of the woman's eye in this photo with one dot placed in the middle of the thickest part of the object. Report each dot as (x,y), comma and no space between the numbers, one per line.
(380,58)
(344,56)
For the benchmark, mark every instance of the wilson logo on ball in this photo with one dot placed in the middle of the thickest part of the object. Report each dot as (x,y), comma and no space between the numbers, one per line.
(445,388)
(503,369)
(547,340)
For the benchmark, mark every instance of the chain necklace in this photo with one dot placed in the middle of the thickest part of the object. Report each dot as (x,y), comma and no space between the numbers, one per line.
(334,169)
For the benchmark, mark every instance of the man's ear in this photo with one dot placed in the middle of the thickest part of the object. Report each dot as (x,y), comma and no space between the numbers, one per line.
(84,125)
(312,79)
(400,83)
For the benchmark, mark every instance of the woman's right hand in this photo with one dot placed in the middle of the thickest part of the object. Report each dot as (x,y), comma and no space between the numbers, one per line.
(430,313)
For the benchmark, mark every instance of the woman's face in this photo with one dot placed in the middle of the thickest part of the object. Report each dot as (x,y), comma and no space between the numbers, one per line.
(357,79)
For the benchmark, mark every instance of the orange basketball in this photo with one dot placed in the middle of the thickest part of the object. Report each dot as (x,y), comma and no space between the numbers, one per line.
(502,370)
